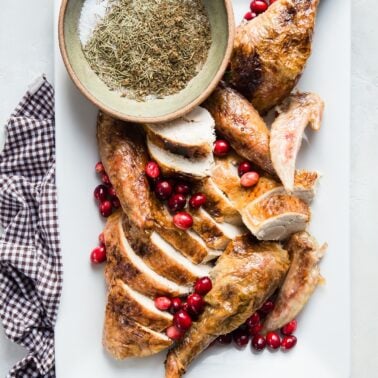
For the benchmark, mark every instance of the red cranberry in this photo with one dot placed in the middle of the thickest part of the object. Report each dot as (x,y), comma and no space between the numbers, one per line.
(105,179)
(272,1)
(221,147)
(182,188)
(267,307)
(176,305)
(101,238)
(152,170)
(111,191)
(163,303)
(225,339)
(99,168)
(249,179)
(288,342)
(253,320)
(244,167)
(197,200)
(259,6)
(182,320)
(254,330)
(98,255)
(203,285)
(289,328)
(250,16)
(163,190)
(183,220)
(240,337)
(100,193)
(273,340)
(195,303)
(115,203)
(174,333)
(106,208)
(176,202)
(258,342)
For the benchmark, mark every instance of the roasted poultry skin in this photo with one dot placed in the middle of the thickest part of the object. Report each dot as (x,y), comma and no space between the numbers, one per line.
(301,281)
(238,121)
(244,277)
(121,147)
(270,52)
(123,152)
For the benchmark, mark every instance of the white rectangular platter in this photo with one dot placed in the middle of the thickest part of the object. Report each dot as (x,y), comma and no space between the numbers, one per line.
(323,348)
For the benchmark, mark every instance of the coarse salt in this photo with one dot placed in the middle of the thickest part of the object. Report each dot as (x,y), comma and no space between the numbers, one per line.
(91,13)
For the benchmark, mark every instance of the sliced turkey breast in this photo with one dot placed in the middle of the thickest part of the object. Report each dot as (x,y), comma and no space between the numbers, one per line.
(191,136)
(218,204)
(301,281)
(276,216)
(124,264)
(186,242)
(296,112)
(172,164)
(215,235)
(225,176)
(161,256)
(170,263)
(211,253)
(135,306)
(124,337)
(266,210)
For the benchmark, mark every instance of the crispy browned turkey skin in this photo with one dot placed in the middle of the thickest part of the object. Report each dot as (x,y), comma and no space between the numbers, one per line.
(238,121)
(123,153)
(270,52)
(244,277)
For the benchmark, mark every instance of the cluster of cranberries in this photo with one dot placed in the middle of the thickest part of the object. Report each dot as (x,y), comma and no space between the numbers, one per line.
(105,194)
(257,7)
(98,254)
(185,310)
(252,328)
(107,201)
(176,194)
(248,177)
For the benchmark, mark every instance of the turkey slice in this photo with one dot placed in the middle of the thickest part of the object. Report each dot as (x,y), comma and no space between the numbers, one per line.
(297,111)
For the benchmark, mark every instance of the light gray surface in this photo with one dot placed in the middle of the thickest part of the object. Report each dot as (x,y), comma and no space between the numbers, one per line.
(26,39)
(364,185)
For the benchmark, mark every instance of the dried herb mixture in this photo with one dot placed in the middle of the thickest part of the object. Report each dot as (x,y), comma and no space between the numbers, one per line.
(149,47)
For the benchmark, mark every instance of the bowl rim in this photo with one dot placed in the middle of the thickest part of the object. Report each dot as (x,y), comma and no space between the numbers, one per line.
(157,119)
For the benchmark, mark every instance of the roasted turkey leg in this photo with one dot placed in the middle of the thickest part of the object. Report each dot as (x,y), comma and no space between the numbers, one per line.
(270,52)
(244,277)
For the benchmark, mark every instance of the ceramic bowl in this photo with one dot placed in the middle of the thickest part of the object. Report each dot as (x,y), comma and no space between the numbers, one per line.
(156,110)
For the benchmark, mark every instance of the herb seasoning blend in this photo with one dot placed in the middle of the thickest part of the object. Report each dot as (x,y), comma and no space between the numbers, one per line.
(149,48)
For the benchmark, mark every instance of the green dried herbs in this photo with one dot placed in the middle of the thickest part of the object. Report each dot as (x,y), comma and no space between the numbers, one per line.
(149,47)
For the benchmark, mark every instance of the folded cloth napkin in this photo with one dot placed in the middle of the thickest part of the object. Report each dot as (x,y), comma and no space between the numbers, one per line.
(30,261)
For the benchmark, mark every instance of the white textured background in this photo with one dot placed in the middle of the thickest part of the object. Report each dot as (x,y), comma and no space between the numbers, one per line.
(26,51)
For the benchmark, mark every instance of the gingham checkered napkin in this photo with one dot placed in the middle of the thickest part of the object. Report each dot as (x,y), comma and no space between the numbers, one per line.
(30,262)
